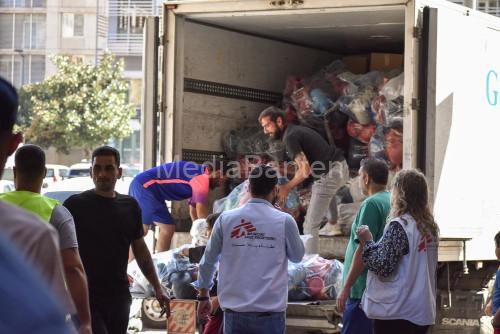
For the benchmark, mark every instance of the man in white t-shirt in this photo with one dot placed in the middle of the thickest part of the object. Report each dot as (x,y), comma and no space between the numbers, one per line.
(35,240)
(29,172)
(252,245)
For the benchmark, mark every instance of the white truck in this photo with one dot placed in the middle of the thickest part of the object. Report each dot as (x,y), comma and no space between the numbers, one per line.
(221,62)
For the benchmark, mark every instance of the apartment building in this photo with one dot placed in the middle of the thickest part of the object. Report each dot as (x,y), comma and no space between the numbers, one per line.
(31,30)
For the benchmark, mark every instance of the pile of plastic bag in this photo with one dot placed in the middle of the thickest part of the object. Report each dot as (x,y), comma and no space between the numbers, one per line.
(314,278)
(358,113)
(369,102)
(175,273)
(241,195)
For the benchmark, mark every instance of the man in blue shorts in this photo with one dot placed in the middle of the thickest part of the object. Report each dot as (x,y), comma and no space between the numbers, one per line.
(175,181)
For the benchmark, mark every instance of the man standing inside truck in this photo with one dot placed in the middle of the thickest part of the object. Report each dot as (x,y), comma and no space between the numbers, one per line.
(373,175)
(314,157)
(174,181)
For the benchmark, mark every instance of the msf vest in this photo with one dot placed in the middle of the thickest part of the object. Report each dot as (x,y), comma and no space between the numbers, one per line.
(35,203)
(410,292)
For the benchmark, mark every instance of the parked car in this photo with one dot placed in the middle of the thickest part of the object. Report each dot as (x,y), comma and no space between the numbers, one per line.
(55,173)
(71,186)
(6,186)
(79,169)
(8,174)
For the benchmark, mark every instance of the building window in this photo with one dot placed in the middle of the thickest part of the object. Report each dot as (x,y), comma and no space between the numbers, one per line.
(23,3)
(37,70)
(38,31)
(6,67)
(6,30)
(22,68)
(130,24)
(72,25)
(489,6)
(22,31)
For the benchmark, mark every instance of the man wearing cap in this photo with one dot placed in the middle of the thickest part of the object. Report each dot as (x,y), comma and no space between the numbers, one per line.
(314,157)
(252,244)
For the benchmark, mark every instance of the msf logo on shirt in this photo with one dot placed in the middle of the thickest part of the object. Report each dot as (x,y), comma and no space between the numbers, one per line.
(242,229)
(424,241)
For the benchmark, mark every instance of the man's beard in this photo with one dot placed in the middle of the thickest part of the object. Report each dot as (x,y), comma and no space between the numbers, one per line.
(278,135)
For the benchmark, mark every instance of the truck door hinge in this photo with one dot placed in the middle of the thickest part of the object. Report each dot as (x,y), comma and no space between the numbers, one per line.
(415,104)
(417,32)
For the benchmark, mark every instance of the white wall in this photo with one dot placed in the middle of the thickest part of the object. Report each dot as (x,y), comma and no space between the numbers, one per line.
(228,57)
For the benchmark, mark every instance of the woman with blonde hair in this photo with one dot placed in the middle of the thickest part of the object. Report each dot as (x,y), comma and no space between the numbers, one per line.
(400,292)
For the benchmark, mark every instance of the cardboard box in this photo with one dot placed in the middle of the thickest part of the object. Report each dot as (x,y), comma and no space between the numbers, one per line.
(182,318)
(385,61)
(357,64)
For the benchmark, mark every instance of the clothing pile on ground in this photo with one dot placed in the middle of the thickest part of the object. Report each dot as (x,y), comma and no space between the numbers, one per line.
(358,113)
(314,278)
(175,273)
(241,195)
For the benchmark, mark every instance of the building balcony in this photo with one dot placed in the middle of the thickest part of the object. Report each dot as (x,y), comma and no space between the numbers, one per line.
(125,44)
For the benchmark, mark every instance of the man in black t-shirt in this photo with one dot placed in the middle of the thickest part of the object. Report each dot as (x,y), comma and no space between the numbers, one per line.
(107,225)
(314,157)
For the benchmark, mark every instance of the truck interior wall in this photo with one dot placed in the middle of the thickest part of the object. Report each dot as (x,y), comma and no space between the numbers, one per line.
(228,57)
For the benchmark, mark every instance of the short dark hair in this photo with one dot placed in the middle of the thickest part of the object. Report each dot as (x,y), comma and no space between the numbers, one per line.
(273,113)
(211,219)
(263,179)
(8,105)
(107,150)
(376,169)
(497,239)
(30,162)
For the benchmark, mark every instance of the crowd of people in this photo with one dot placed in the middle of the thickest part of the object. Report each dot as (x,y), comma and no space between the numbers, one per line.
(71,258)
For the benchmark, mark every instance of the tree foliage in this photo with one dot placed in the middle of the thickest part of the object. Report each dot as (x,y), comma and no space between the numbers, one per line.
(82,105)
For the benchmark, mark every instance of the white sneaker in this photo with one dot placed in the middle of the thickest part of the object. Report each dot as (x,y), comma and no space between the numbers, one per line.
(330,230)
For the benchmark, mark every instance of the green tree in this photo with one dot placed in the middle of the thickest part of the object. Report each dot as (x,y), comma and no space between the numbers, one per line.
(81,105)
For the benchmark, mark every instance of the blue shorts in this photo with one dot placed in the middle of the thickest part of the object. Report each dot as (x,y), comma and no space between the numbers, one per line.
(153,210)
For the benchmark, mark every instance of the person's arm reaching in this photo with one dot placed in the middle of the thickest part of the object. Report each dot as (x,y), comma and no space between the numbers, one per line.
(207,269)
(201,210)
(145,263)
(294,245)
(496,319)
(76,280)
(357,268)
(192,213)
(302,173)
(383,257)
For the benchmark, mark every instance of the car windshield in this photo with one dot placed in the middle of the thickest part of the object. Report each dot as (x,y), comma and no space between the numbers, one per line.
(8,174)
(50,172)
(79,172)
(61,196)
